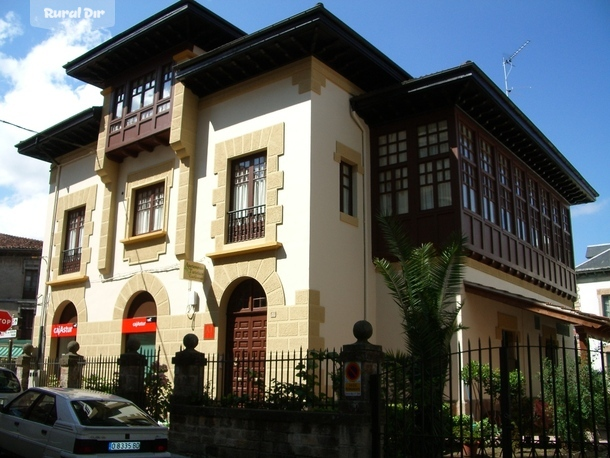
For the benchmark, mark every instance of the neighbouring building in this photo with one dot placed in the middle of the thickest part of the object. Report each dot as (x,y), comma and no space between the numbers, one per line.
(229,183)
(20,260)
(593,281)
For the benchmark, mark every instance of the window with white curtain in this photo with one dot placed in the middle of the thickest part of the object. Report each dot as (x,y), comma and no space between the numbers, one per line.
(248,198)
(74,239)
(149,204)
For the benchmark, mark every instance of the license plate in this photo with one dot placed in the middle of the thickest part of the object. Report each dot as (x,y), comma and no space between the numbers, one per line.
(119,446)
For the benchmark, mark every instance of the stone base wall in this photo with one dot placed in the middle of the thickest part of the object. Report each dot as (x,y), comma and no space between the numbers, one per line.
(251,433)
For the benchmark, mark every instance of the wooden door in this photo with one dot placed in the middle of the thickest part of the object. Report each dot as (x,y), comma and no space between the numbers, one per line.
(246,340)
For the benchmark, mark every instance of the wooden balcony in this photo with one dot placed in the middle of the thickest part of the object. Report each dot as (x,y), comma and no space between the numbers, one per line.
(139,131)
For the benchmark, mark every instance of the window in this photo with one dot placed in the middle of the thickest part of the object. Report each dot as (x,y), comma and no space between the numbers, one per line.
(557,231)
(547,231)
(30,283)
(520,204)
(488,182)
(149,209)
(119,102)
(347,188)
(73,241)
(506,194)
(248,197)
(167,74)
(432,139)
(532,190)
(142,92)
(606,305)
(393,174)
(469,168)
(434,175)
(567,238)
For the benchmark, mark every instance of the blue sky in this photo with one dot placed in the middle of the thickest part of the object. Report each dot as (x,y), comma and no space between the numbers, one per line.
(559,80)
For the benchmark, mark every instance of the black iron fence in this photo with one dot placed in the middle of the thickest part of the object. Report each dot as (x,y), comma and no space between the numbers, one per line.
(290,380)
(538,399)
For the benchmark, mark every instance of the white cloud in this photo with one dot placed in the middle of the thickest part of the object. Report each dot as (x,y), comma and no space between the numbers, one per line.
(36,95)
(594,208)
(24,216)
(9,27)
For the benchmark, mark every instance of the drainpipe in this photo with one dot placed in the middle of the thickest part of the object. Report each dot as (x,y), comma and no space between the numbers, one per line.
(45,297)
(364,215)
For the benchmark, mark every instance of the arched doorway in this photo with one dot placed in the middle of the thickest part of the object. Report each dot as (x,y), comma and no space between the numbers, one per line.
(246,339)
(140,322)
(63,330)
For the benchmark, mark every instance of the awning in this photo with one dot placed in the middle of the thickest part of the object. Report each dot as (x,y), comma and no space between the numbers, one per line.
(17,349)
(592,325)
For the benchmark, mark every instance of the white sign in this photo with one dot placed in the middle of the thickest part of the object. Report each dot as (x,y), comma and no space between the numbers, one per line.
(10,334)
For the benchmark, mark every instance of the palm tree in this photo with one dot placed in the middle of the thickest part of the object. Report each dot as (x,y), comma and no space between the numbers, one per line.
(424,283)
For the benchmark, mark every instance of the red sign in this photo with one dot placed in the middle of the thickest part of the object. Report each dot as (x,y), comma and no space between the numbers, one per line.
(208,331)
(352,372)
(64,330)
(140,324)
(6,321)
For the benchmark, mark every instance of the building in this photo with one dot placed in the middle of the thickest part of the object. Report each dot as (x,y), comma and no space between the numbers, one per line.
(593,280)
(228,187)
(20,260)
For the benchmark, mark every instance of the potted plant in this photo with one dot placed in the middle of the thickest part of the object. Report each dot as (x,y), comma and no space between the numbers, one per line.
(472,434)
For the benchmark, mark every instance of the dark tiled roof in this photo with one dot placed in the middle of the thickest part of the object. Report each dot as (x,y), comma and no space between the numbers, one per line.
(470,89)
(598,259)
(313,33)
(181,25)
(594,250)
(11,242)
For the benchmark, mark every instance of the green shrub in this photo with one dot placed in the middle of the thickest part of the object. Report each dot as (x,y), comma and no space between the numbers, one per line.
(574,394)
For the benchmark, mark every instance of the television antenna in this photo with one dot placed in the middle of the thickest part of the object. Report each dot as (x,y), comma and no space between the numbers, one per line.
(508,63)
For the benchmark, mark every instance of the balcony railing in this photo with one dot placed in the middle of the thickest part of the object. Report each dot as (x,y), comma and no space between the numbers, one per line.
(140,130)
(70,261)
(246,224)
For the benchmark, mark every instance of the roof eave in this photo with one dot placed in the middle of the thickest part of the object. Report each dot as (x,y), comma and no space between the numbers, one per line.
(317,16)
(76,68)
(469,73)
(34,146)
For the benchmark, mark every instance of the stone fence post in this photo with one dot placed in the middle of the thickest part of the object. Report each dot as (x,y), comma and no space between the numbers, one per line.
(23,364)
(361,382)
(131,374)
(188,374)
(71,367)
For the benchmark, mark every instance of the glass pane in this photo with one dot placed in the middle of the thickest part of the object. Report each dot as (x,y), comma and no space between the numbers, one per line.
(402,202)
(427,197)
(444,194)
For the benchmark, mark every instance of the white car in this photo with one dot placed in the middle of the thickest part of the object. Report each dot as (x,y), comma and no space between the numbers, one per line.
(9,386)
(66,422)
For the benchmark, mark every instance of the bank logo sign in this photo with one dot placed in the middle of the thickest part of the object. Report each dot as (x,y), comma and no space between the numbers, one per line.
(48,14)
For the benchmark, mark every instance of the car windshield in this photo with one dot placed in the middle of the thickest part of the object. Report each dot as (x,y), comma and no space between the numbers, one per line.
(110,413)
(9,383)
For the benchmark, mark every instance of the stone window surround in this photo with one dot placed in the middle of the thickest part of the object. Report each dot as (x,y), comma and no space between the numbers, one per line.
(271,140)
(150,245)
(85,197)
(354,158)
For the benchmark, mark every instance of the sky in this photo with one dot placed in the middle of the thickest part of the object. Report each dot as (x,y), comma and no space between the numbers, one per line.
(559,80)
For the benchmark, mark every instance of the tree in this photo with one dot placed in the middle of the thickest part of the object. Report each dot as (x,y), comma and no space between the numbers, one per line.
(424,283)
